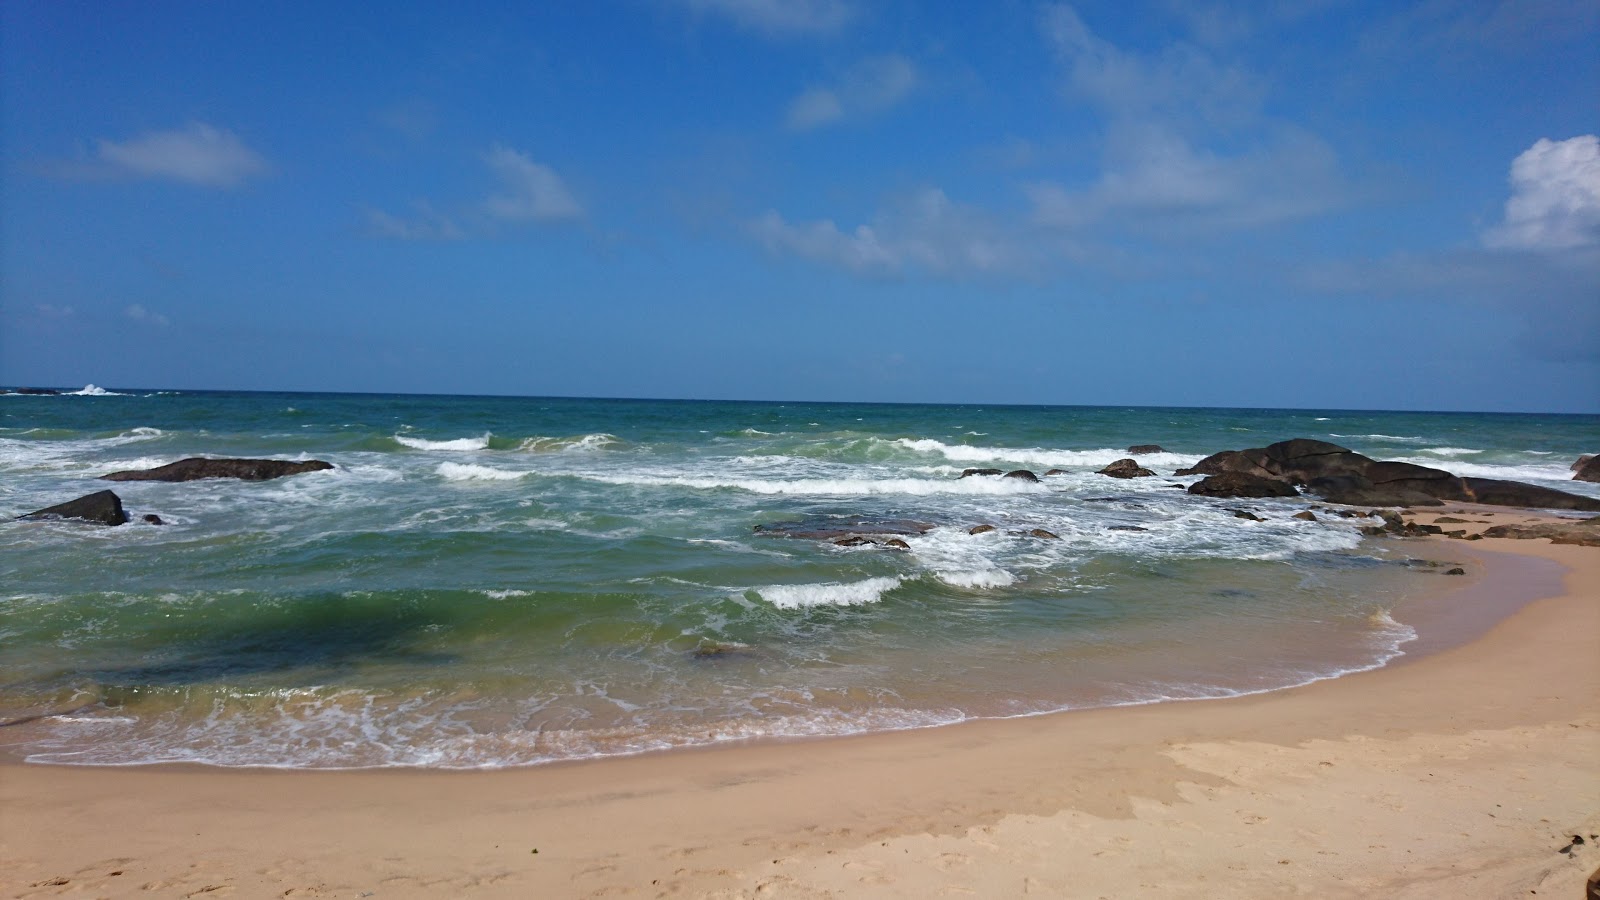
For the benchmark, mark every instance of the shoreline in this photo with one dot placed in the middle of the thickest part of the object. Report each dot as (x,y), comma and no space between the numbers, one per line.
(1507,708)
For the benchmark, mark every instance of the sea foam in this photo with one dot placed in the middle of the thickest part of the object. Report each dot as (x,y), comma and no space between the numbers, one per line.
(477,443)
(467,472)
(855,593)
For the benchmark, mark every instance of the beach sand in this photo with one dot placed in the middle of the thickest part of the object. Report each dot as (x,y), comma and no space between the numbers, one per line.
(1461,770)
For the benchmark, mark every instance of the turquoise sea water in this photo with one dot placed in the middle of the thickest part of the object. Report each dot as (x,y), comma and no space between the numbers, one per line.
(487,581)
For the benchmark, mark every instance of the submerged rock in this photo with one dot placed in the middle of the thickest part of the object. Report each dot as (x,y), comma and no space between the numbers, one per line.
(968,473)
(1022,474)
(1305,515)
(100,507)
(197,467)
(981,529)
(1141,449)
(1125,468)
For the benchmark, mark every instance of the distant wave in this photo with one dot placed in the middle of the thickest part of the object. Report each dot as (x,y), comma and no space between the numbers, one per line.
(1038,455)
(90,390)
(855,593)
(831,486)
(477,443)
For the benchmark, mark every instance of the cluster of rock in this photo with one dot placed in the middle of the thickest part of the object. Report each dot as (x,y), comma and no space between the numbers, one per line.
(105,507)
(1340,475)
(43,392)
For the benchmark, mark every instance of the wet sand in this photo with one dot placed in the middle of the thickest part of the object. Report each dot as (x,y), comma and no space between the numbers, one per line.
(1457,772)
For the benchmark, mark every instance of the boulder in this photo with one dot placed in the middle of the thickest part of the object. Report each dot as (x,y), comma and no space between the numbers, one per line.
(1058,472)
(1022,474)
(1305,515)
(1125,528)
(968,473)
(196,468)
(1141,449)
(1041,533)
(1587,468)
(1354,490)
(1246,461)
(980,529)
(1126,468)
(1401,476)
(1242,484)
(1246,514)
(101,507)
(1302,459)
(1495,492)
(153,519)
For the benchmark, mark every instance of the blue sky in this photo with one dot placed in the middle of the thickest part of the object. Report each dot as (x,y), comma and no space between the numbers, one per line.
(1313,203)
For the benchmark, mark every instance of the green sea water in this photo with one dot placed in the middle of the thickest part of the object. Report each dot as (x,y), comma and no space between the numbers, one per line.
(486,581)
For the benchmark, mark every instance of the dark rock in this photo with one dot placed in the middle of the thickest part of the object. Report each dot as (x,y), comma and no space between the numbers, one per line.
(1140,449)
(1125,468)
(196,468)
(1583,532)
(1246,461)
(1399,476)
(1125,528)
(968,473)
(854,540)
(1302,459)
(894,544)
(711,651)
(153,519)
(1242,484)
(1456,571)
(1178,486)
(1583,460)
(1023,474)
(1058,472)
(980,529)
(1589,471)
(42,392)
(1243,514)
(1495,492)
(1449,520)
(1354,490)
(1305,515)
(101,507)
(1041,533)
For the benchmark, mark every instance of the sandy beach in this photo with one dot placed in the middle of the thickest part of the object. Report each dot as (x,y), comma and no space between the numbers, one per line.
(1461,770)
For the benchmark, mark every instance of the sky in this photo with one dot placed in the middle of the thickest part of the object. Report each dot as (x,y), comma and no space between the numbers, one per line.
(1305,204)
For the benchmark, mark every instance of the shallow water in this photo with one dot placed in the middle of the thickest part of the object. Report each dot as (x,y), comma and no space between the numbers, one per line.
(495,581)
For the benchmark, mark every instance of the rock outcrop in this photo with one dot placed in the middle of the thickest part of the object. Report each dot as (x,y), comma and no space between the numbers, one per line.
(1339,475)
(101,507)
(1587,468)
(196,468)
(1242,484)
(1022,474)
(1141,449)
(968,473)
(1126,468)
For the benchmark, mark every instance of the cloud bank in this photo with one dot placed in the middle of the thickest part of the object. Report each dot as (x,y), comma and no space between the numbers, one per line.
(870,86)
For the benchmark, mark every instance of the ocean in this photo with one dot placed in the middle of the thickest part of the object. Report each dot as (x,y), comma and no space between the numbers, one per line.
(498,581)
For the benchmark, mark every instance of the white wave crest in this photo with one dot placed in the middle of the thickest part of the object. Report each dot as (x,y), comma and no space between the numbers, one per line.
(1041,456)
(91,390)
(477,443)
(581,443)
(982,578)
(467,472)
(1556,472)
(855,593)
(1404,439)
(1449,451)
(832,487)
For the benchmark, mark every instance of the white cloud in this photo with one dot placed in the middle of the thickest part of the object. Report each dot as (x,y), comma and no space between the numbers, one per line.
(781,17)
(868,87)
(426,225)
(529,191)
(197,154)
(1180,83)
(1555,197)
(51,311)
(1154,179)
(140,314)
(926,231)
